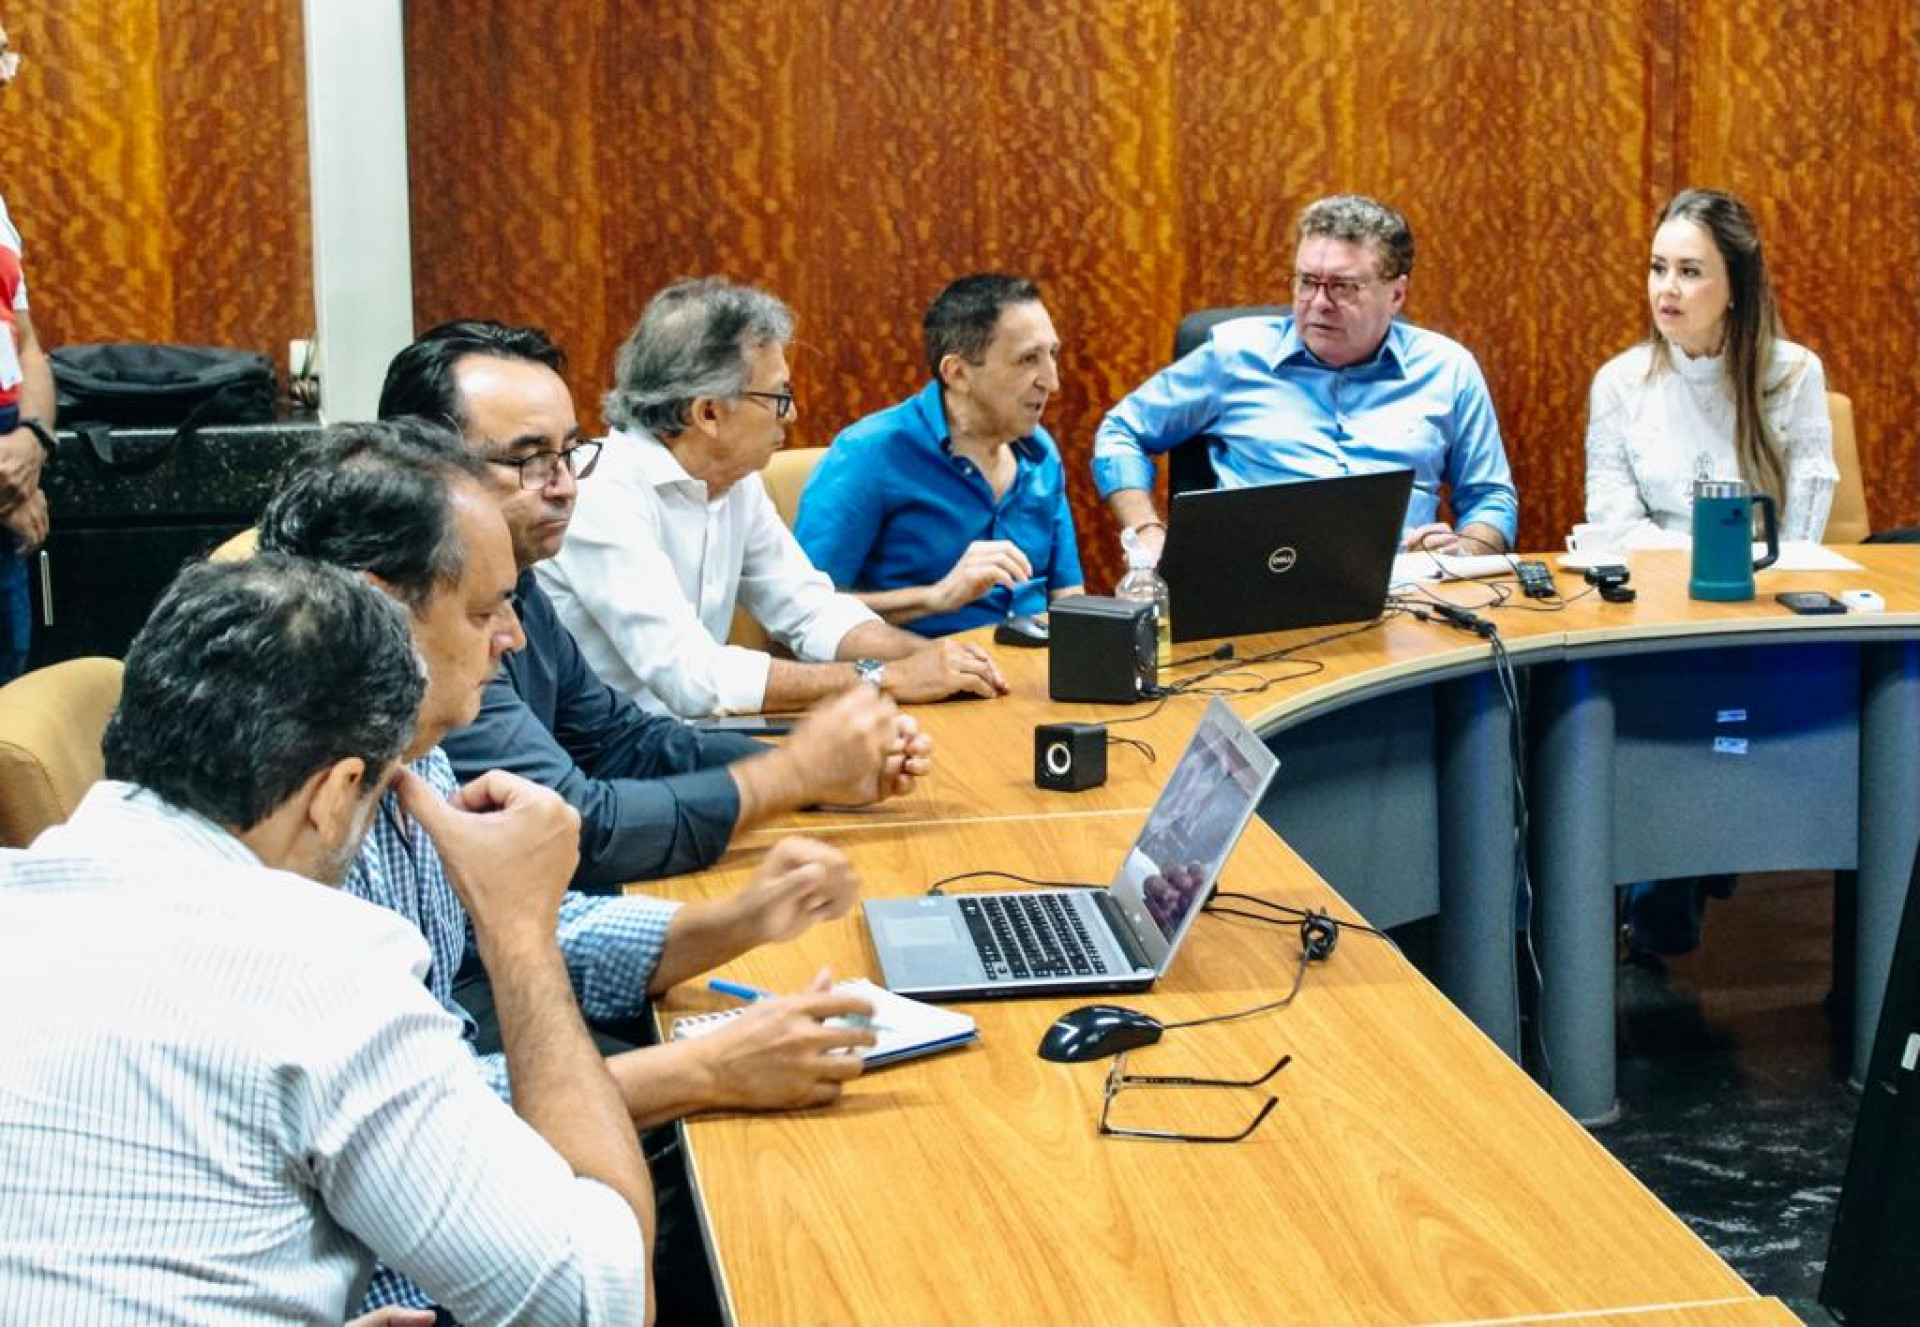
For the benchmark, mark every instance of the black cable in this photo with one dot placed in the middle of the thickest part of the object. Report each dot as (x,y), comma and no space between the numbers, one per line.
(1523,901)
(1144,747)
(1300,914)
(1160,703)
(1423,597)
(1299,980)
(1224,651)
(1261,681)
(1308,919)
(1193,685)
(939,886)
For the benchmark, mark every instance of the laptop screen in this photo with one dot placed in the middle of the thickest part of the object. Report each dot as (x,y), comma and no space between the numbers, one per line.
(1193,827)
(1278,557)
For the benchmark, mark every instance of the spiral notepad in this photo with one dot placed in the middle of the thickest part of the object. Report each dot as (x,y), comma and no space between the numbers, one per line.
(905,1028)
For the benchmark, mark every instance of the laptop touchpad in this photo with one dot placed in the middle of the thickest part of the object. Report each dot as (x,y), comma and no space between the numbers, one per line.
(913,932)
(923,944)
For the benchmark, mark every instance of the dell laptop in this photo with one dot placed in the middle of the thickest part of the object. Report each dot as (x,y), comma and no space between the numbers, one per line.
(1279,556)
(1061,941)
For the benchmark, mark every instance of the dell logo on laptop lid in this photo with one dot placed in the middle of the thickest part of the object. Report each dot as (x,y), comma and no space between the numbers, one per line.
(1281,560)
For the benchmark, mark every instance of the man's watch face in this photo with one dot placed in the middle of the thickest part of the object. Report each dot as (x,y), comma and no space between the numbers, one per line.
(871,671)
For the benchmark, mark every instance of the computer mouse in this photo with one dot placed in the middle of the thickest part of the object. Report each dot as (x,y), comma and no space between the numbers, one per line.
(1096,1030)
(1024,630)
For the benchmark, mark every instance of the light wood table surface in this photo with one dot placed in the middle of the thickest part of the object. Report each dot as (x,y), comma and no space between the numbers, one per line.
(984,749)
(1410,1173)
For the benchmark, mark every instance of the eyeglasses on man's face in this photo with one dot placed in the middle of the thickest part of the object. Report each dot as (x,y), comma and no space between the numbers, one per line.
(1119,1080)
(1339,289)
(538,469)
(781,403)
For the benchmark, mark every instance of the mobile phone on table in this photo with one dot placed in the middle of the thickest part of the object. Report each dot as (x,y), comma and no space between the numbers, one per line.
(1536,581)
(1809,601)
(751,725)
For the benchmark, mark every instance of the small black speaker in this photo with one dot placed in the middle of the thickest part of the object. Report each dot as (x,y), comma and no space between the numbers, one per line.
(1101,650)
(1069,757)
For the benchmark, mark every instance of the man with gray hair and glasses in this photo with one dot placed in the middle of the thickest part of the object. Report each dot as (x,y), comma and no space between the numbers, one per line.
(676,528)
(1339,387)
(227,1090)
(655,796)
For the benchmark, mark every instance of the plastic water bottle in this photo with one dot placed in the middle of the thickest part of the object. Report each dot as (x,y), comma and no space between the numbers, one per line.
(1142,584)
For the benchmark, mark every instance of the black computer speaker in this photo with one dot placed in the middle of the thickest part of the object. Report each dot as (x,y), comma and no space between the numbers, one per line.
(1101,650)
(1069,757)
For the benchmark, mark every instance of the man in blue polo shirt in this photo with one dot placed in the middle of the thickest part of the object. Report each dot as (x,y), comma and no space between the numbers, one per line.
(1340,387)
(949,510)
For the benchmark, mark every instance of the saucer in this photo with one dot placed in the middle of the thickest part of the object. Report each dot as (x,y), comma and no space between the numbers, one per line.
(1606,557)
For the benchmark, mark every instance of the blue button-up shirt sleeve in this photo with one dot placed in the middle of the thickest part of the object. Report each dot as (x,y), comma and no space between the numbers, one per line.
(1479,482)
(653,794)
(612,946)
(1180,402)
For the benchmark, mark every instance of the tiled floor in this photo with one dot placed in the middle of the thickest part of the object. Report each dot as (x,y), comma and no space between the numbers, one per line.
(1731,1112)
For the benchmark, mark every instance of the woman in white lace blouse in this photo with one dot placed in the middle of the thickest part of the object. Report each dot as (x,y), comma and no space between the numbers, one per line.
(1714,391)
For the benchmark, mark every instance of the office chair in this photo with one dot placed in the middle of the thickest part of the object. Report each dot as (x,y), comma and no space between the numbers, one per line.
(786,478)
(51,723)
(1848,521)
(1190,463)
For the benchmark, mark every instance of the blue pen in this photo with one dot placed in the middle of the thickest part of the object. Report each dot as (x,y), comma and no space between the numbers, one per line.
(740,991)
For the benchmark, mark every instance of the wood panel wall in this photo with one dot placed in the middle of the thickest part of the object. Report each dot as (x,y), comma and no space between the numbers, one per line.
(1144,157)
(1138,157)
(154,155)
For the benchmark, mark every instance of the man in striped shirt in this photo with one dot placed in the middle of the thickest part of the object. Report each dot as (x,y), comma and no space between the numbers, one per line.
(399,502)
(223,1088)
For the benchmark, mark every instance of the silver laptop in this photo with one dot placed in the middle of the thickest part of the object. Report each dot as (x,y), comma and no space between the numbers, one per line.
(1274,557)
(1121,938)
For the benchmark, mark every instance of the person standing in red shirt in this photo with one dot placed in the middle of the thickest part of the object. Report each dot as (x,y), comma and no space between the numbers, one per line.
(26,431)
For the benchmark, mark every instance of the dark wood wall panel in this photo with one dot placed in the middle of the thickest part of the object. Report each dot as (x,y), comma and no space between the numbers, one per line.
(1139,158)
(1147,157)
(1812,121)
(155,158)
(1519,166)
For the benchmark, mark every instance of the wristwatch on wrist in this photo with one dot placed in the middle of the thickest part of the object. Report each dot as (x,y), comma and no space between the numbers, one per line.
(43,433)
(871,671)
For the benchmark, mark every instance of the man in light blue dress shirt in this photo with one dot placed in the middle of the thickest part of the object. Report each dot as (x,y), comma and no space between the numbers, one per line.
(1340,387)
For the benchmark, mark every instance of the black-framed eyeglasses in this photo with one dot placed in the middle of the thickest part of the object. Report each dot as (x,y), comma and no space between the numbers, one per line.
(781,403)
(537,469)
(1119,1080)
(1340,289)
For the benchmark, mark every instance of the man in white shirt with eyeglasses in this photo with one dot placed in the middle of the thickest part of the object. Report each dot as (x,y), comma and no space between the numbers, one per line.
(675,528)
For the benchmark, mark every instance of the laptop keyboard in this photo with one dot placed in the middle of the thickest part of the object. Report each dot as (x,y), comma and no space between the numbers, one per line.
(1021,936)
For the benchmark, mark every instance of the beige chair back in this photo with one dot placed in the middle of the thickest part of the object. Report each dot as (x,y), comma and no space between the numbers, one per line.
(51,723)
(785,478)
(237,549)
(1847,521)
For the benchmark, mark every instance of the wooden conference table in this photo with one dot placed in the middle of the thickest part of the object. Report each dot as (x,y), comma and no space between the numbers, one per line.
(1410,1172)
